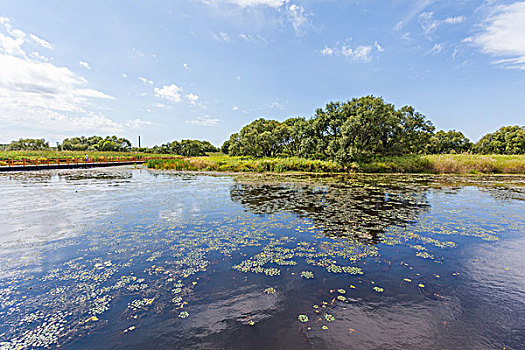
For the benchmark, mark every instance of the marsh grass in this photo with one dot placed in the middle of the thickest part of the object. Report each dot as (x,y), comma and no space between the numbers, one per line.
(53,154)
(432,164)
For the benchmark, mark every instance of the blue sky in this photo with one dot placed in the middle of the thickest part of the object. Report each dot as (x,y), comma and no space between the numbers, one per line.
(168,70)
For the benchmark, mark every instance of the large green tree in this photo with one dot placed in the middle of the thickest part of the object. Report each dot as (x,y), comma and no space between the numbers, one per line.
(28,145)
(506,140)
(260,138)
(451,141)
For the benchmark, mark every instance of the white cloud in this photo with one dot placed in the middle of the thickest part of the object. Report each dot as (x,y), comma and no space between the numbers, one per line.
(169,92)
(185,65)
(248,3)
(503,35)
(192,98)
(221,36)
(204,121)
(234,108)
(276,105)
(361,53)
(145,81)
(124,75)
(40,41)
(38,95)
(328,51)
(84,64)
(252,38)
(137,123)
(298,17)
(429,24)
(437,48)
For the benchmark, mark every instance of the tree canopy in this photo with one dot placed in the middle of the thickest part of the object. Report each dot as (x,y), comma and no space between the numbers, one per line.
(28,145)
(451,141)
(342,131)
(96,143)
(506,140)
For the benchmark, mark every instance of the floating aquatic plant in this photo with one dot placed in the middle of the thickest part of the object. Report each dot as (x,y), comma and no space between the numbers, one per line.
(307,274)
(303,318)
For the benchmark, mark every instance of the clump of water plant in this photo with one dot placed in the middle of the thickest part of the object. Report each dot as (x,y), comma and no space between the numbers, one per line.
(302,318)
(307,274)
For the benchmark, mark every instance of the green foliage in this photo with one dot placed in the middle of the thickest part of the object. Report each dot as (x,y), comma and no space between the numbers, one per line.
(506,140)
(96,143)
(451,141)
(342,132)
(186,148)
(28,145)
(260,138)
(439,163)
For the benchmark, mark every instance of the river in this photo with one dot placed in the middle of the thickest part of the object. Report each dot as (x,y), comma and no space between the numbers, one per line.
(131,258)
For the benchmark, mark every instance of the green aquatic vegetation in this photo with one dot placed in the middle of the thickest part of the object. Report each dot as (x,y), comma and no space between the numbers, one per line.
(342,291)
(303,318)
(307,274)
(341,298)
(378,289)
(270,290)
(329,317)
(184,314)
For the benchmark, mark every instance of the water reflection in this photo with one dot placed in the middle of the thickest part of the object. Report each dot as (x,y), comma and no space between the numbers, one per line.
(358,208)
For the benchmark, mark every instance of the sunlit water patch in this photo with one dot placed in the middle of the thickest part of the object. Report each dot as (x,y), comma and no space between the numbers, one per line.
(129,258)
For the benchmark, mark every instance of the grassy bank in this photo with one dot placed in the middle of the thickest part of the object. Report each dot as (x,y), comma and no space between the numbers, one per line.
(52,154)
(434,164)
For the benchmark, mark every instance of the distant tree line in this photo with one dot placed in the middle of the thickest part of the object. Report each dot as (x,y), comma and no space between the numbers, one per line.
(187,148)
(96,143)
(363,128)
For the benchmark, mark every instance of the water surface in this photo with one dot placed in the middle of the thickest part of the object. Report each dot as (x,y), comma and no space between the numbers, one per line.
(130,258)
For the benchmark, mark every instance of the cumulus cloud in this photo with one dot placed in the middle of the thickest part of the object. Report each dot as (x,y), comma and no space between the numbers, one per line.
(204,121)
(84,64)
(298,17)
(192,98)
(35,93)
(170,92)
(503,35)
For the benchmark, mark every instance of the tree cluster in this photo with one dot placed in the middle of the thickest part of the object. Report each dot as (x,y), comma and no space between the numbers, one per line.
(96,143)
(363,128)
(186,148)
(28,145)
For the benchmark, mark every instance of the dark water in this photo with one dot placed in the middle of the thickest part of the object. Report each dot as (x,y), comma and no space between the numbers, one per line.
(128,258)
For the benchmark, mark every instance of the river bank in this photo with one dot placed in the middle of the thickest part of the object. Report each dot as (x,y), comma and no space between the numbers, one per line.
(426,164)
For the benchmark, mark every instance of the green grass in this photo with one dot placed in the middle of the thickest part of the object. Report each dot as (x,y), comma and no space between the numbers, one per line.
(432,164)
(245,164)
(53,154)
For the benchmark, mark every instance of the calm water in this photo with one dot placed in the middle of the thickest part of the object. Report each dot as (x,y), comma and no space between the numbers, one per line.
(128,258)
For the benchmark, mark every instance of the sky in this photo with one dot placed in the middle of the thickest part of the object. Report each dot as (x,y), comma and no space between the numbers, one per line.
(202,69)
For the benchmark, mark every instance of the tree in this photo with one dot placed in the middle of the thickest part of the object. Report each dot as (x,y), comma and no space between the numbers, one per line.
(28,145)
(225,147)
(260,138)
(506,140)
(451,141)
